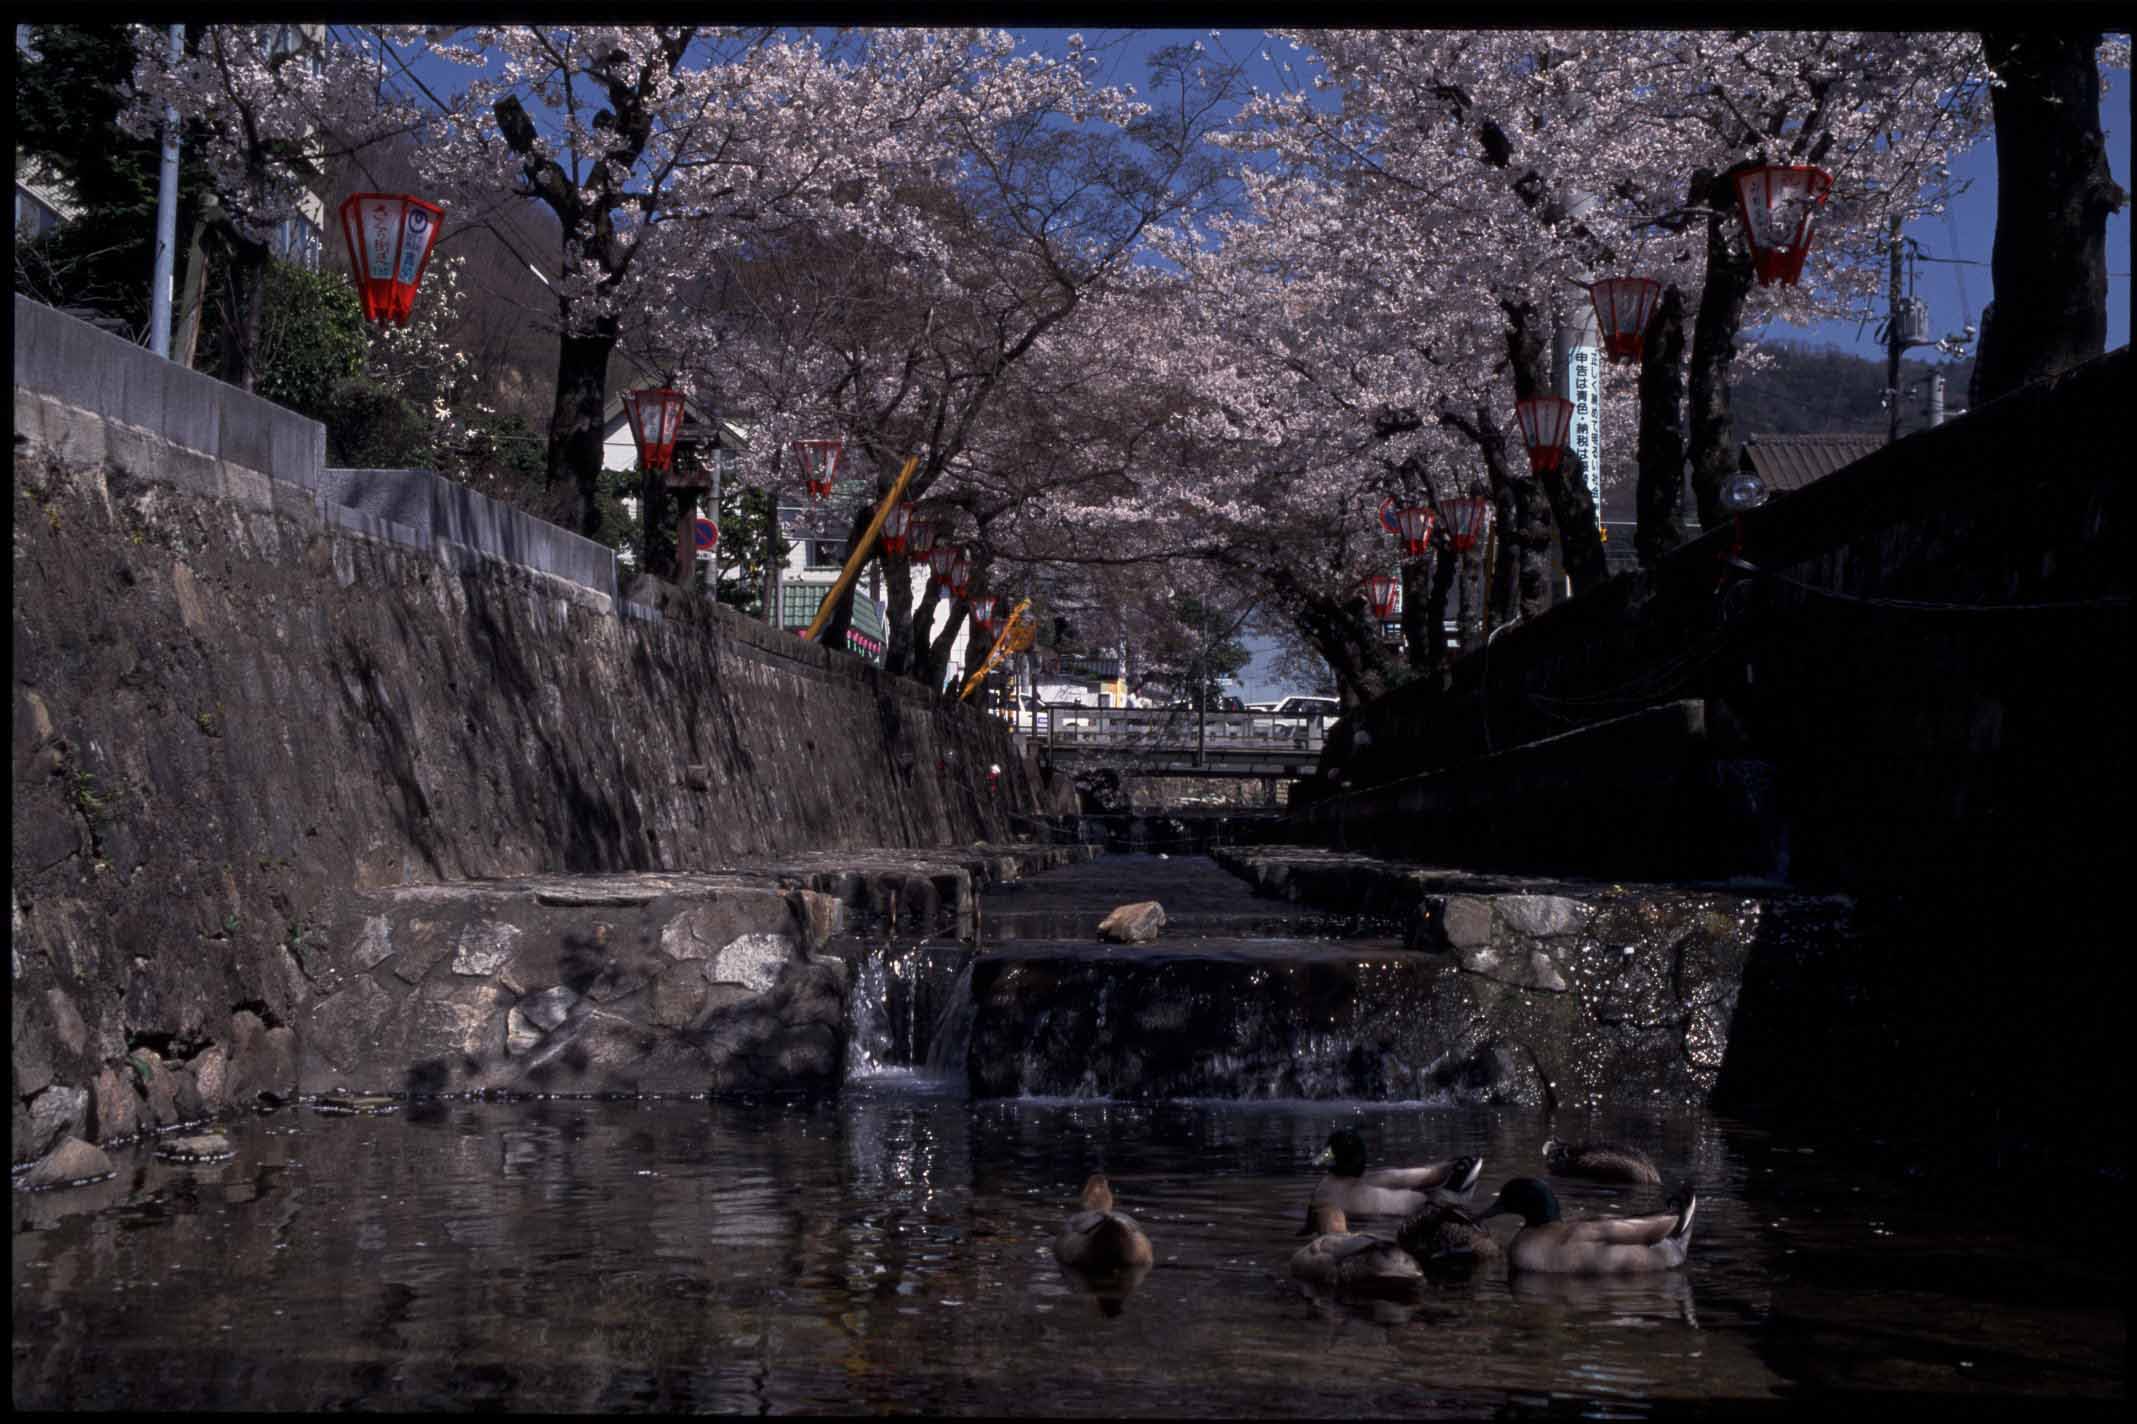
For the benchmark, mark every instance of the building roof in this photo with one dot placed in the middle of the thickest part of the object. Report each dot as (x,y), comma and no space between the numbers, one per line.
(869,632)
(733,434)
(1789,462)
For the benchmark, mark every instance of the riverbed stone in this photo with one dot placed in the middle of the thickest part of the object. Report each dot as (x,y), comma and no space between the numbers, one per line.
(161,1088)
(1541,916)
(67,1025)
(465,1020)
(117,1105)
(752,960)
(1515,964)
(549,1008)
(210,1072)
(420,943)
(59,1111)
(1138,923)
(679,995)
(484,948)
(340,1029)
(72,1162)
(1465,921)
(375,947)
(205,1147)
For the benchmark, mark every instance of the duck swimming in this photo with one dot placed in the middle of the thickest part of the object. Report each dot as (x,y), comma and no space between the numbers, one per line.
(1099,1240)
(1447,1238)
(1387,1191)
(1614,1246)
(1600,1162)
(1352,1261)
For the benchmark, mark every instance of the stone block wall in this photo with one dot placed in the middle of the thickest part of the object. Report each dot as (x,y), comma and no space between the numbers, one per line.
(235,711)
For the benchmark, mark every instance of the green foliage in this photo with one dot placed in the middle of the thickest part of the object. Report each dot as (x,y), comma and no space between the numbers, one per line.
(67,102)
(1819,391)
(368,427)
(750,542)
(311,339)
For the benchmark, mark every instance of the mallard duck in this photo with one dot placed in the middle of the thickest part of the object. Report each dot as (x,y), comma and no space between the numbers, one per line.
(1099,1240)
(1613,1246)
(1387,1191)
(1599,1162)
(1446,1238)
(1351,1261)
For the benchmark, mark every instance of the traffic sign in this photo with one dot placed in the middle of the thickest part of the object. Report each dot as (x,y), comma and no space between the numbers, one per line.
(705,534)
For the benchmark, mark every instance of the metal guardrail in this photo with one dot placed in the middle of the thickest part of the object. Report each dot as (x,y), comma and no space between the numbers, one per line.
(1169,732)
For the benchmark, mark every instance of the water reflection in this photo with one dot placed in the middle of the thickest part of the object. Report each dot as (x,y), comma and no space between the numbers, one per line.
(893,1251)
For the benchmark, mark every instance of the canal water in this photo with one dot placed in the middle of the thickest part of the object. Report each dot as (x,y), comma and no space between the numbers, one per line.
(891,1251)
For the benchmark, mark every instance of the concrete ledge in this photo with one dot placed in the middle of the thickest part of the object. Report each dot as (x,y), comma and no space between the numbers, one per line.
(74,363)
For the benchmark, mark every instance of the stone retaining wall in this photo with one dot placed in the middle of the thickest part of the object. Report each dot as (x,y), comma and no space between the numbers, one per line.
(235,713)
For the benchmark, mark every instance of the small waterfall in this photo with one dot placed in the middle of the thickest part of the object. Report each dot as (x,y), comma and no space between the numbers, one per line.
(904,998)
(952,1038)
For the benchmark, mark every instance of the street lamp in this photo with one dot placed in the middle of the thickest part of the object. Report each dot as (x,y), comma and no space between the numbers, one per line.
(819,464)
(1740,493)
(960,575)
(942,560)
(1544,423)
(920,538)
(1622,308)
(984,614)
(389,237)
(1417,524)
(1778,203)
(656,416)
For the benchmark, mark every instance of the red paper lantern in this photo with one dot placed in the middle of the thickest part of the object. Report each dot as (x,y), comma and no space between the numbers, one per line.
(1467,520)
(1544,423)
(1417,523)
(1623,306)
(1380,591)
(389,237)
(1778,204)
(984,613)
(819,464)
(895,525)
(960,576)
(942,559)
(920,537)
(656,416)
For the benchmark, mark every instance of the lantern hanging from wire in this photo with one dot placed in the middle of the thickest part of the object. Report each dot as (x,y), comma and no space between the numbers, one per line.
(1623,307)
(920,537)
(1778,203)
(1545,420)
(984,614)
(1467,519)
(1380,591)
(1417,522)
(389,237)
(960,575)
(819,464)
(656,416)
(896,525)
(942,559)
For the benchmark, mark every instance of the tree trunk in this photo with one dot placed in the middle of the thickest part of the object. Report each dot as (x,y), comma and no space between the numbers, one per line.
(246,286)
(1572,508)
(1660,493)
(2054,194)
(1469,619)
(901,615)
(1721,311)
(1419,634)
(575,419)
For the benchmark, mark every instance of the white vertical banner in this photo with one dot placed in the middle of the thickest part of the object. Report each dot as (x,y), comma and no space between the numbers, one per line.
(1583,378)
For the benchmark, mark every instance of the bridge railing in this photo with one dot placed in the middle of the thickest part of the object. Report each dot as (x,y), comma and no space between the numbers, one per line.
(1169,729)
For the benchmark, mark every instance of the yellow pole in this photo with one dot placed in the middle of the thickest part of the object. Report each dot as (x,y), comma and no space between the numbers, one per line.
(860,553)
(1001,641)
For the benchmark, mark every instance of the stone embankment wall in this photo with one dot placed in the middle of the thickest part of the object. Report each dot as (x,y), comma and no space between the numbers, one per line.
(1920,681)
(238,708)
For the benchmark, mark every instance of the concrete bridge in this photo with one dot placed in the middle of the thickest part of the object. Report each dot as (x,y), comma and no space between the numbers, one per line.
(1177,741)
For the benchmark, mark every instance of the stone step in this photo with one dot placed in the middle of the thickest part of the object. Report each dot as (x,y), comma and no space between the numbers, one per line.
(652,982)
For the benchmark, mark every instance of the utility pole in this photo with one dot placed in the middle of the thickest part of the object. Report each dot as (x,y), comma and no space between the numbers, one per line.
(1894,339)
(159,296)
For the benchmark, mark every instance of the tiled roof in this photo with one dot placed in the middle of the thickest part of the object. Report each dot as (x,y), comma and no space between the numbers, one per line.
(1789,462)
